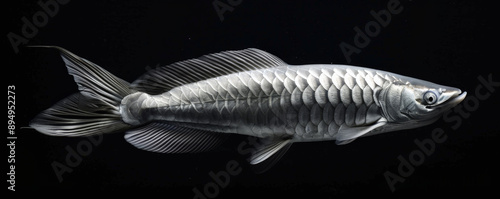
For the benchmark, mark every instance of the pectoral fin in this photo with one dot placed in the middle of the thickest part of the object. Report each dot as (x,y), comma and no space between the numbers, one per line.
(268,153)
(348,134)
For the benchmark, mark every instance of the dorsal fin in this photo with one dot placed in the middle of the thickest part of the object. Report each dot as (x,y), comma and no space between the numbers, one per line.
(163,79)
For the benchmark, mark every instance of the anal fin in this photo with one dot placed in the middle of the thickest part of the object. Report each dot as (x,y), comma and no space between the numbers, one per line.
(167,138)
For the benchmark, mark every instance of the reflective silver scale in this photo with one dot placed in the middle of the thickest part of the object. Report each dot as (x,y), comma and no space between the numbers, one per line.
(308,102)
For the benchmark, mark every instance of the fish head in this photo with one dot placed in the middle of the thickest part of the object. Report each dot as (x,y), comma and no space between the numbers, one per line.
(416,102)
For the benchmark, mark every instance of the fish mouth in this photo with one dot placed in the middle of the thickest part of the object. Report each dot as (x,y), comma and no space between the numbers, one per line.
(454,98)
(457,99)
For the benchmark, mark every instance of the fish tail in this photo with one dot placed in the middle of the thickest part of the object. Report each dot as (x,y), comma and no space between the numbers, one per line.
(94,110)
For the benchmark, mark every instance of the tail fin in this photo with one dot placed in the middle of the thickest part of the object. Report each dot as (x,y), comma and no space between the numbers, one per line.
(92,111)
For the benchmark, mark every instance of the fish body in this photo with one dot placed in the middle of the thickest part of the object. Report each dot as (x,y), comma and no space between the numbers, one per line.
(188,106)
(306,102)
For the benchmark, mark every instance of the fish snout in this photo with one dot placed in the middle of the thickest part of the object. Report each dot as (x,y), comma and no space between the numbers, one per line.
(449,98)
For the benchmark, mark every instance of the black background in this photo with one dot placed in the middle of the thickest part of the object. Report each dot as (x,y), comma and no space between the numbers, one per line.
(447,42)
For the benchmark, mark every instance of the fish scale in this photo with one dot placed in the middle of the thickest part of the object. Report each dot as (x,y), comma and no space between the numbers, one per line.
(309,102)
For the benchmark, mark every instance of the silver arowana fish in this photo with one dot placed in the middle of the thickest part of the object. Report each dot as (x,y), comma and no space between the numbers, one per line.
(188,106)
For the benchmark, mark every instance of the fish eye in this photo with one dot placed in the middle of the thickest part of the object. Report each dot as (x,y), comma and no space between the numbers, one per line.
(430,97)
